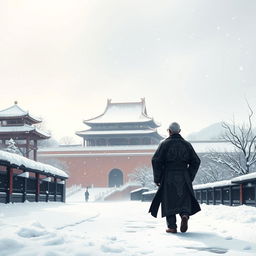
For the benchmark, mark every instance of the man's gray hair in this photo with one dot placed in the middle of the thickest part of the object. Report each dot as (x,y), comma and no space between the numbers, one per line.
(174,127)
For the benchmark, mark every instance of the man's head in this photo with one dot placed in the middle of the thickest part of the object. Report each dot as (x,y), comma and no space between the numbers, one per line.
(174,128)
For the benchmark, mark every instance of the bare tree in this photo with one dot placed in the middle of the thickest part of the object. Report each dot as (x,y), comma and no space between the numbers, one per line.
(67,140)
(243,138)
(51,142)
(144,176)
(211,171)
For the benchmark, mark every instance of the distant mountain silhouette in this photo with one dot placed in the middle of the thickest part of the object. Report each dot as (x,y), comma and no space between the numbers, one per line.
(212,132)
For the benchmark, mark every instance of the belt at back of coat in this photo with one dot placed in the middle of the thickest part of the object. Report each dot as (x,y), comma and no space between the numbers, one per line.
(176,167)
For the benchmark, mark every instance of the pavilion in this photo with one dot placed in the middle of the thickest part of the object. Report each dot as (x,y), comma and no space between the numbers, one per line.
(125,123)
(19,125)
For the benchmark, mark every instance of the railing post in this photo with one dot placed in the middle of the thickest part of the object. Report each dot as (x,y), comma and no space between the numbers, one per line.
(201,196)
(230,196)
(241,194)
(64,191)
(37,187)
(10,184)
(24,189)
(213,196)
(255,193)
(47,191)
(207,198)
(221,195)
(55,189)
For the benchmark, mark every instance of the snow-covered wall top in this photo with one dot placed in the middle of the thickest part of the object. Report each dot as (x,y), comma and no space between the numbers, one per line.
(28,163)
(214,184)
(246,177)
(199,147)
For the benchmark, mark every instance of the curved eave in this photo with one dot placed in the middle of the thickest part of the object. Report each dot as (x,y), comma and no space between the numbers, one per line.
(89,133)
(38,134)
(91,124)
(31,119)
(94,118)
(42,135)
(159,136)
(143,113)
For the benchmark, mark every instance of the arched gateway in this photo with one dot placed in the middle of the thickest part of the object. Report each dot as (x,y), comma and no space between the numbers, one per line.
(115,178)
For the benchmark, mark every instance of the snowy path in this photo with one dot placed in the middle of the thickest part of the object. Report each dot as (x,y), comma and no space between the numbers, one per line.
(122,228)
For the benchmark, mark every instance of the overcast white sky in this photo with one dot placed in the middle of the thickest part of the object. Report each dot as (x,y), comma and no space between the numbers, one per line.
(194,61)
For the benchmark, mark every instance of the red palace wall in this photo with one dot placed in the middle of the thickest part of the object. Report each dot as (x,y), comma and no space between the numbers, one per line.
(92,166)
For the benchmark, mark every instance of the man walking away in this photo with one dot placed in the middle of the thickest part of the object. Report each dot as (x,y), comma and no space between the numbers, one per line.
(175,164)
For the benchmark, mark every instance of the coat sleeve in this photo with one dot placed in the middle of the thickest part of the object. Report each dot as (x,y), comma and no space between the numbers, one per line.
(194,163)
(158,161)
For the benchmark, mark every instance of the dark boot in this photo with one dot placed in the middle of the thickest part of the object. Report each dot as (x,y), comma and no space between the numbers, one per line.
(171,230)
(184,223)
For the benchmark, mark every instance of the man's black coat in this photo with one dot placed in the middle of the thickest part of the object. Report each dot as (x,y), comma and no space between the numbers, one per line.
(175,164)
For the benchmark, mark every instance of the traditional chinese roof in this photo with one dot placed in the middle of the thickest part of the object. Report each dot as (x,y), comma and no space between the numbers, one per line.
(124,112)
(20,129)
(15,112)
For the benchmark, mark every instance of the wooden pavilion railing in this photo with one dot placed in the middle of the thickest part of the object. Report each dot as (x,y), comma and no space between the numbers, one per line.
(233,192)
(237,191)
(20,184)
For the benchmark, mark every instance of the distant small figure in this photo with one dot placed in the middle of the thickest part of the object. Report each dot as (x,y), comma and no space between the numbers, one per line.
(86,194)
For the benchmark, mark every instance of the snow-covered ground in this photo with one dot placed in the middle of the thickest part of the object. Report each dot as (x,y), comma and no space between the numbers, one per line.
(123,228)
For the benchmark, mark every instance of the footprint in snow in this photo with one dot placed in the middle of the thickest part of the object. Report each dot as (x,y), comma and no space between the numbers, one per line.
(146,252)
(9,245)
(247,247)
(31,232)
(140,227)
(112,238)
(217,250)
(111,249)
(57,241)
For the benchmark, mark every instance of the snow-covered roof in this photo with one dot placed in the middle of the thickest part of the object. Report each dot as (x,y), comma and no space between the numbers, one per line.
(22,128)
(139,189)
(16,111)
(113,132)
(239,179)
(125,112)
(244,177)
(214,184)
(28,163)
(151,192)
